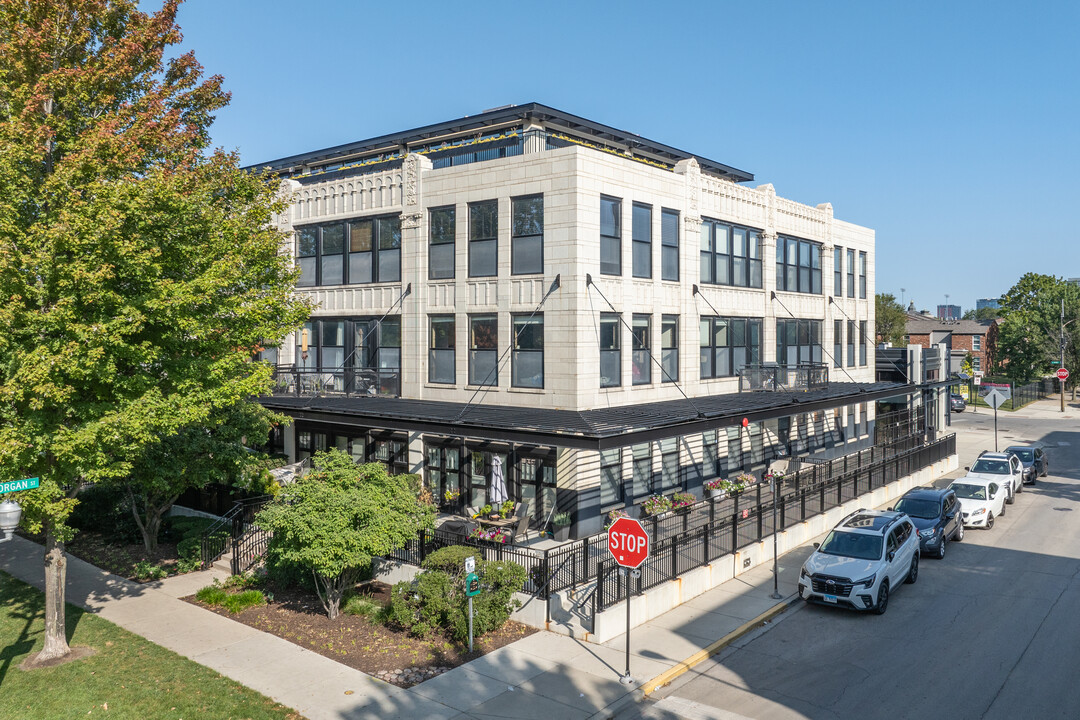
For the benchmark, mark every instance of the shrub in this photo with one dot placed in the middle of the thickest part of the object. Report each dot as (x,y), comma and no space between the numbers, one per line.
(436,598)
(211,594)
(238,602)
(145,570)
(183,527)
(189,548)
(364,607)
(186,565)
(106,509)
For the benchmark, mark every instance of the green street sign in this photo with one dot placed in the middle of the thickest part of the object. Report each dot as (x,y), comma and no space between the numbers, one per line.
(472,585)
(17,485)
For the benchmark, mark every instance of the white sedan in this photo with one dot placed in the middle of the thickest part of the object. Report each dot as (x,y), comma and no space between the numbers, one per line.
(981,500)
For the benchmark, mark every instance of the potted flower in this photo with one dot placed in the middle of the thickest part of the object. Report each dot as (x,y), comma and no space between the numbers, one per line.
(507,508)
(451,496)
(746,479)
(719,487)
(561,524)
(613,516)
(495,535)
(681,502)
(656,505)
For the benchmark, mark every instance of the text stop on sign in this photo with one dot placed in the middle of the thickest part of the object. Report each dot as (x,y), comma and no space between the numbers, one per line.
(628,542)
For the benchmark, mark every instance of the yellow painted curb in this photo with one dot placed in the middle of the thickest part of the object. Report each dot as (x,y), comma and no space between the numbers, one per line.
(702,655)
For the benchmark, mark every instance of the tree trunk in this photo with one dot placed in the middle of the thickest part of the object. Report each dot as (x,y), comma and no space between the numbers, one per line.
(150,523)
(56,645)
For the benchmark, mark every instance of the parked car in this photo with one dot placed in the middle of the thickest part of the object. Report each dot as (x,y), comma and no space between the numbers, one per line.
(1033,459)
(1004,468)
(981,500)
(957,402)
(861,560)
(935,512)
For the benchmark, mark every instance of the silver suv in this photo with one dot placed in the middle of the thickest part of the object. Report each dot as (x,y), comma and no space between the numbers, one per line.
(869,553)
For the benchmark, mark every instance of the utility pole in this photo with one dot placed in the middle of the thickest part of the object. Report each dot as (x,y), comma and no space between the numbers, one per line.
(1061,342)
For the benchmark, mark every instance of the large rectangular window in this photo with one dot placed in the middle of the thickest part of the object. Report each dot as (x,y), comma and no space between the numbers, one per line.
(851,330)
(442,228)
(484,238)
(610,350)
(610,236)
(730,255)
(611,485)
(729,344)
(838,271)
(641,340)
(862,343)
(851,273)
(838,343)
(483,350)
(641,233)
(862,275)
(527,358)
(527,235)
(798,342)
(360,251)
(669,347)
(441,364)
(798,265)
(669,245)
(710,454)
(642,478)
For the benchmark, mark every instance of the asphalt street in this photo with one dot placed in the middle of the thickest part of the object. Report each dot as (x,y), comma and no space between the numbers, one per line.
(991,631)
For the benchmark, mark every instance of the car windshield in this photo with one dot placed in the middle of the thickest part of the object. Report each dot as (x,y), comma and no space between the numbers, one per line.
(994,467)
(1024,455)
(849,544)
(970,492)
(918,507)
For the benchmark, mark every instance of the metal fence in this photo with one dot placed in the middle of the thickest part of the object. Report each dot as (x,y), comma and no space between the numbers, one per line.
(782,378)
(350,382)
(747,518)
(1038,390)
(236,531)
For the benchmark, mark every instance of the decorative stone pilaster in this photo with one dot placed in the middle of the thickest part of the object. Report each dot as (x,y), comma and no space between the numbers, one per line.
(691,171)
(414,165)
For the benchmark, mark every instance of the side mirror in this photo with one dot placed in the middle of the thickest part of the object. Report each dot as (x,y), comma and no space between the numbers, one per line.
(817,545)
(892,555)
(891,508)
(967,467)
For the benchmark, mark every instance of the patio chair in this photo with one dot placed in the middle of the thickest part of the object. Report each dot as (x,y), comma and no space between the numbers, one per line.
(523,516)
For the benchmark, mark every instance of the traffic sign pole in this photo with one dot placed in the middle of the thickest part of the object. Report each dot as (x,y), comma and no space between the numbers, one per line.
(1062,375)
(628,544)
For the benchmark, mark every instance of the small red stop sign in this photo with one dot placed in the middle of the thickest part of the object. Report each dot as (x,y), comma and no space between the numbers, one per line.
(1062,374)
(628,542)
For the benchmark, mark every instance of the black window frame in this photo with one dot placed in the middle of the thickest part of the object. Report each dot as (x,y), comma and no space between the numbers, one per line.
(474,349)
(517,237)
(862,343)
(310,242)
(641,240)
(442,346)
(641,349)
(851,330)
(809,331)
(641,472)
(717,251)
(615,349)
(838,271)
(851,273)
(611,240)
(802,273)
(442,241)
(670,451)
(862,275)
(516,349)
(838,343)
(753,356)
(669,244)
(669,348)
(480,236)
(611,477)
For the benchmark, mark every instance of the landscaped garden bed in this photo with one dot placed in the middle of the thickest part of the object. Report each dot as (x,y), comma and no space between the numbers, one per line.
(363,641)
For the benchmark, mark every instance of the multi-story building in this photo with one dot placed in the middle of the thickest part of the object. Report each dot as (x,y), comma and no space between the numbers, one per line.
(994,303)
(960,336)
(595,315)
(948,312)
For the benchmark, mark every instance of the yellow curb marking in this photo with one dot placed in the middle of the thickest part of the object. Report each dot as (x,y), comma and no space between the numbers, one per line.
(702,655)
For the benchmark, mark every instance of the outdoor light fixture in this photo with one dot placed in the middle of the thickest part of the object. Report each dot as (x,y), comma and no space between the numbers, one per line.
(10,512)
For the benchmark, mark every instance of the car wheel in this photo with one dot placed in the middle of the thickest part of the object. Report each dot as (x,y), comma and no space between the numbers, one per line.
(1046,469)
(882,598)
(1008,501)
(990,519)
(959,534)
(941,548)
(913,571)
(1002,513)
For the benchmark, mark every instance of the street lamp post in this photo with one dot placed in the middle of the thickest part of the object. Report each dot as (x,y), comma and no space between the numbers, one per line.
(775,532)
(10,512)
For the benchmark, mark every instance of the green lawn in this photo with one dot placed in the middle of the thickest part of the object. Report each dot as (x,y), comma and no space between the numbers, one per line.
(133,677)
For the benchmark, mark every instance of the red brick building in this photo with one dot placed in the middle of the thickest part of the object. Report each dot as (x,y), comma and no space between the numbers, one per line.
(962,337)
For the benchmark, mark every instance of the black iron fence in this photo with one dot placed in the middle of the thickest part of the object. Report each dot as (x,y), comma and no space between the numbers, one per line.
(349,382)
(783,378)
(700,533)
(747,517)
(1038,390)
(236,531)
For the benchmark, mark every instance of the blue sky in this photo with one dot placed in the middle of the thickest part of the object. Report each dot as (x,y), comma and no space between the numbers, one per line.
(949,127)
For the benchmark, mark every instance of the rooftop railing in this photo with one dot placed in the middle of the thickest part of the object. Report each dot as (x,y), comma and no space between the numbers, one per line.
(346,382)
(784,378)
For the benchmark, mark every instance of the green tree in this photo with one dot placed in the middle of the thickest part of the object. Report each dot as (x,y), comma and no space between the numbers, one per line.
(890,320)
(335,519)
(137,269)
(985,314)
(213,451)
(1029,332)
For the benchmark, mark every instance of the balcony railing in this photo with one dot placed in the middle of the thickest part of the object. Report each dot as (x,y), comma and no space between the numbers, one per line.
(784,378)
(345,382)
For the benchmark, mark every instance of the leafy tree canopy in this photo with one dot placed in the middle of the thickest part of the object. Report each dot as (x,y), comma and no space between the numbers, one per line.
(335,519)
(1030,328)
(890,321)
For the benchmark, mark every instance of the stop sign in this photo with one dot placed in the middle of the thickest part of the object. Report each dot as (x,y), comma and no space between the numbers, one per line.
(1062,374)
(628,542)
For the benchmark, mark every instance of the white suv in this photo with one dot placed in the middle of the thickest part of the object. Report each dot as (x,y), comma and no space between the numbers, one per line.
(861,560)
(1003,468)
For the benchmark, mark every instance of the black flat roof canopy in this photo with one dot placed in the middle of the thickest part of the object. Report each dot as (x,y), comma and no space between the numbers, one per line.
(494,118)
(598,429)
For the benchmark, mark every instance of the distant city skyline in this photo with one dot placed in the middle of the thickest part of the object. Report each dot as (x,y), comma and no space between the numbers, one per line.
(957,155)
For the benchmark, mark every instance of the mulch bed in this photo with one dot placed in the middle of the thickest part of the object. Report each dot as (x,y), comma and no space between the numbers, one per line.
(383,651)
(119,559)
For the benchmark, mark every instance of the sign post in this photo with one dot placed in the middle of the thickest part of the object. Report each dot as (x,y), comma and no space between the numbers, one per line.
(628,544)
(472,589)
(995,395)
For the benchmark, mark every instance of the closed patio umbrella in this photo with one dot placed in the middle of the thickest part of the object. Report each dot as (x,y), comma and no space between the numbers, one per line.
(498,482)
